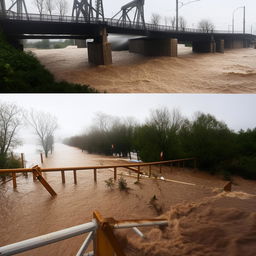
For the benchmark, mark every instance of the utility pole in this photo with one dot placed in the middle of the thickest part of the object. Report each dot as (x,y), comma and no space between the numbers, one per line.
(177,15)
(244,21)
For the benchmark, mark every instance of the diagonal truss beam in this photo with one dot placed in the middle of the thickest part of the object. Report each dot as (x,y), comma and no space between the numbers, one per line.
(88,10)
(132,13)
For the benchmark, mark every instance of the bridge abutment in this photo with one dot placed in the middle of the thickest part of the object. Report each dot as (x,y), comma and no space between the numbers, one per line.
(154,47)
(99,51)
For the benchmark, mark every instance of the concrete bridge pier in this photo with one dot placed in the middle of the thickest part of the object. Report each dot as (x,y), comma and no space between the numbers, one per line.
(154,46)
(237,44)
(205,46)
(99,51)
(220,45)
(80,43)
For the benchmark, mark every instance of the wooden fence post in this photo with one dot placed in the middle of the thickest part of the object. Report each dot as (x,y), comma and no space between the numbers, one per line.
(160,168)
(42,158)
(37,174)
(63,177)
(75,179)
(14,183)
(138,176)
(115,173)
(22,160)
(150,172)
(95,174)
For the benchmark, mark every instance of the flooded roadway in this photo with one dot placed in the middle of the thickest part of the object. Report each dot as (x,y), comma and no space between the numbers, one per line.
(30,211)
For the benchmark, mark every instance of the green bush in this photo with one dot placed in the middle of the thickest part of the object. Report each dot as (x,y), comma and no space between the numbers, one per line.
(122,183)
(110,183)
(22,72)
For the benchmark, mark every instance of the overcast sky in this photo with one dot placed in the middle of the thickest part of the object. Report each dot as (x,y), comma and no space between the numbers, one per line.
(76,112)
(218,11)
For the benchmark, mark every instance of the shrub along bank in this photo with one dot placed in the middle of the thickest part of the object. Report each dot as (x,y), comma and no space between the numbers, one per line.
(22,72)
(168,135)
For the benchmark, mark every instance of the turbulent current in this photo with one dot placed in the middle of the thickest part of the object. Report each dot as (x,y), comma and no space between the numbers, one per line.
(231,72)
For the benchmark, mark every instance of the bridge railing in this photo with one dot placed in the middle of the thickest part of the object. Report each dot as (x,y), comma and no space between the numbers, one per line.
(107,22)
(101,233)
(134,167)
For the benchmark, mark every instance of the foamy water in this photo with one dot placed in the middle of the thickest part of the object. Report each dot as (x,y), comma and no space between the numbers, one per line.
(231,72)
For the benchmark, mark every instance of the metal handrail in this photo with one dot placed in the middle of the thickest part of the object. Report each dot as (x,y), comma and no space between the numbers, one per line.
(50,238)
(63,234)
(115,23)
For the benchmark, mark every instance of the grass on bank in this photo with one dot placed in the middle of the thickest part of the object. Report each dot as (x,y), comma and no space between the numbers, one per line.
(22,72)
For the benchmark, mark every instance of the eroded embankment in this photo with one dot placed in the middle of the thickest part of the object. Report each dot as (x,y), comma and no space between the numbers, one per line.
(219,225)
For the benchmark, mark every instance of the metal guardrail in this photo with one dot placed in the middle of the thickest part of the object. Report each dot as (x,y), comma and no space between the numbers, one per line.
(100,232)
(107,22)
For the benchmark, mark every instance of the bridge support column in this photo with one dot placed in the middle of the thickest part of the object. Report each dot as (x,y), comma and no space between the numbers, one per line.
(220,46)
(99,51)
(204,46)
(80,43)
(234,44)
(246,43)
(154,46)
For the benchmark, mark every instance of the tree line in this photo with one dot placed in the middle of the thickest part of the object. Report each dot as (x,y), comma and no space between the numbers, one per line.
(204,25)
(169,135)
(12,118)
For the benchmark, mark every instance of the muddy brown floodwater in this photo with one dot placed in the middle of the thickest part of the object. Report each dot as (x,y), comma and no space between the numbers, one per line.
(231,72)
(202,219)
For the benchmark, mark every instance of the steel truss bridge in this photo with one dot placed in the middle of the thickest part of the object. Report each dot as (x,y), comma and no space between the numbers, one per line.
(87,20)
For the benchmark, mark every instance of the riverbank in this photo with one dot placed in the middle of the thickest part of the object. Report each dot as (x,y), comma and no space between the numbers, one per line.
(30,211)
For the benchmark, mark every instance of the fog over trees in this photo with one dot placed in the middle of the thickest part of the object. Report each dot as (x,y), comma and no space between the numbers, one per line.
(44,126)
(169,135)
(12,119)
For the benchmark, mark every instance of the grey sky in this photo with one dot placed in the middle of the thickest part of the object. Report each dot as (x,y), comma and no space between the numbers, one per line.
(219,11)
(76,112)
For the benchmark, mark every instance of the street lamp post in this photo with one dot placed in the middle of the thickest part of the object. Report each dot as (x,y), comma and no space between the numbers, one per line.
(177,10)
(233,18)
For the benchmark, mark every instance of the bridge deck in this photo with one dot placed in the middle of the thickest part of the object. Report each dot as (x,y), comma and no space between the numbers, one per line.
(35,25)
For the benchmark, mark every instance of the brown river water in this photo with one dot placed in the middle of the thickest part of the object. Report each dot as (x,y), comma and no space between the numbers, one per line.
(203,220)
(231,72)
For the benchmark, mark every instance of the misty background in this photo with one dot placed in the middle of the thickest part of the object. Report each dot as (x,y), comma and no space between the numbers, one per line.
(75,113)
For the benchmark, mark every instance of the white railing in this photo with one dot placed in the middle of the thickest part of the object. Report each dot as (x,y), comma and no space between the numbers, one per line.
(90,227)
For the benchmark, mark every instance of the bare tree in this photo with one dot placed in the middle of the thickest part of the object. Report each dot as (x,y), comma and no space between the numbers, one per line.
(44,125)
(10,120)
(62,6)
(182,23)
(165,120)
(155,18)
(206,25)
(50,6)
(39,4)
(173,22)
